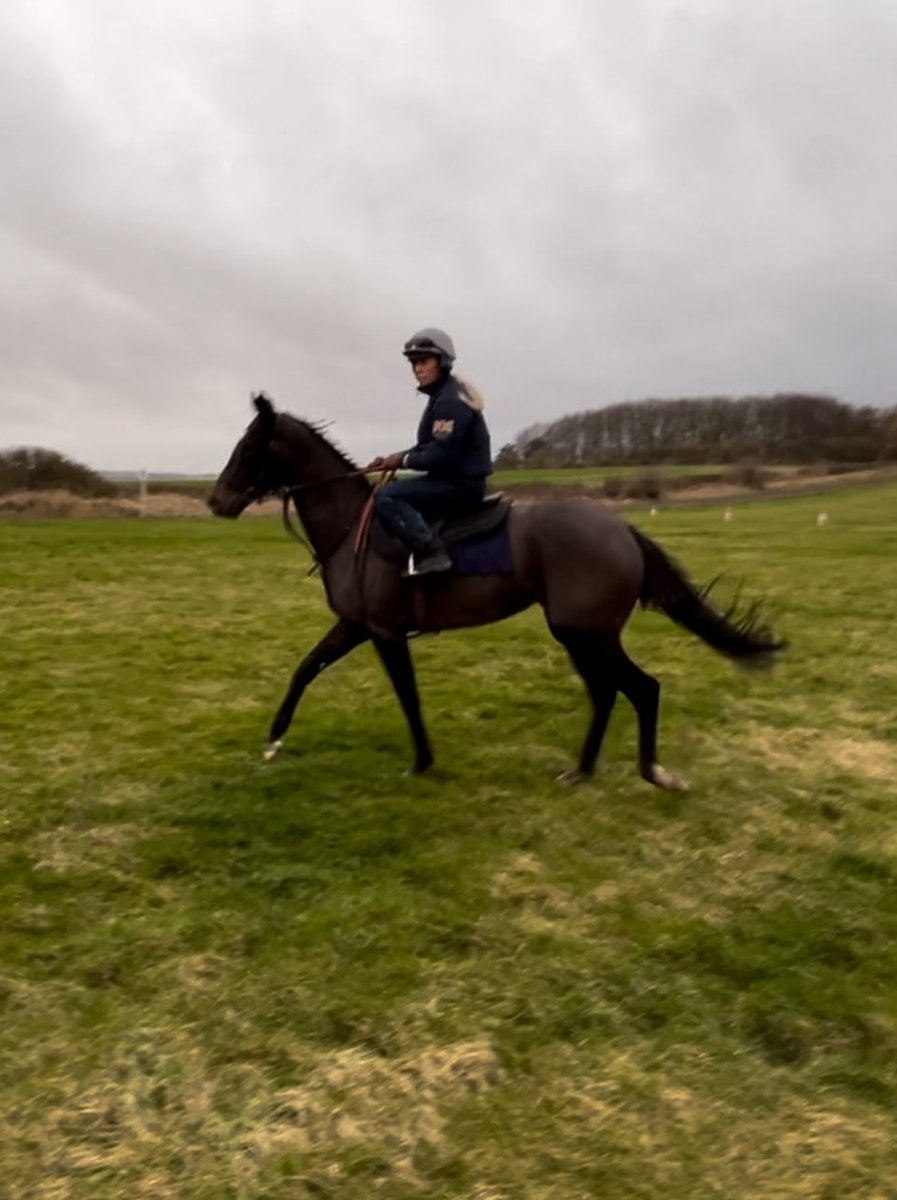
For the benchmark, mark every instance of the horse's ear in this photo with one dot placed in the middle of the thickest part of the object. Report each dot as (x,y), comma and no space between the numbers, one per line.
(263,405)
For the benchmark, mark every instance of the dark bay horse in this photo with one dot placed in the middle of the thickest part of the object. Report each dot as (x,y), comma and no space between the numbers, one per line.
(585,566)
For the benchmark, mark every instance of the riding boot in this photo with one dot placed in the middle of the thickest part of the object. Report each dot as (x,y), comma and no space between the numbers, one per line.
(429,560)
(405,522)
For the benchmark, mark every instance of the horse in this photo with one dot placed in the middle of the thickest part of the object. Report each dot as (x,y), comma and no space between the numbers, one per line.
(585,566)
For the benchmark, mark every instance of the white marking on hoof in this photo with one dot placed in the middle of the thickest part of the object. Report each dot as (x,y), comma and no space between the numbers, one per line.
(271,750)
(572,778)
(667,780)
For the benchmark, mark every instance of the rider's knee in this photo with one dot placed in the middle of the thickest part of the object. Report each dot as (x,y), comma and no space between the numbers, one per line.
(383,502)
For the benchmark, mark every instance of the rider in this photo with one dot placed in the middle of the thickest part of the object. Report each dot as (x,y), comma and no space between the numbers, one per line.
(452,449)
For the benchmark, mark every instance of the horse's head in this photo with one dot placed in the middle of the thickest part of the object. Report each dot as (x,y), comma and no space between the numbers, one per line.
(253,469)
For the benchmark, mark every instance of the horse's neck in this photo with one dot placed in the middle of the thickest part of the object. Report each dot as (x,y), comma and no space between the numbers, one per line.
(328,510)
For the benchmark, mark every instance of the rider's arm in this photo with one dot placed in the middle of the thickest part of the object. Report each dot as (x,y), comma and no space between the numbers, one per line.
(450,422)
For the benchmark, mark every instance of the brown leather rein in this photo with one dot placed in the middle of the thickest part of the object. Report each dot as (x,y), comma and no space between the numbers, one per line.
(364,525)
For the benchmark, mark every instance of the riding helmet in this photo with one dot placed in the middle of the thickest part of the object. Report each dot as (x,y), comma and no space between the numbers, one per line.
(429,342)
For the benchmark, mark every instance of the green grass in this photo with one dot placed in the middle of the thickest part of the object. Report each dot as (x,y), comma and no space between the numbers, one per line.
(599,474)
(321,978)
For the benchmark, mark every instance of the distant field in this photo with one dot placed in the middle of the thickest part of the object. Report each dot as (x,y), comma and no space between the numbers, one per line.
(524,476)
(199,484)
(597,474)
(223,980)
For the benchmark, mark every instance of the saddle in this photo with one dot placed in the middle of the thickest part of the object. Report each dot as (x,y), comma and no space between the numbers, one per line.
(480,522)
(491,513)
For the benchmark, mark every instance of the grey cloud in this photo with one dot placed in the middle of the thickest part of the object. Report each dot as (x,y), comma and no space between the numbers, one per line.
(599,201)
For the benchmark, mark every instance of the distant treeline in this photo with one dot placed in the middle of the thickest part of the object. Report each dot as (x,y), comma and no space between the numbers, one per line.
(30,468)
(792,428)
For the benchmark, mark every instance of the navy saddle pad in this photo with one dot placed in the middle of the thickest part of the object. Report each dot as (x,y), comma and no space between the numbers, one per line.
(477,542)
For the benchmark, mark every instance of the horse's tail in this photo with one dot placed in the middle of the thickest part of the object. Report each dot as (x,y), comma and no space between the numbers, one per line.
(745,636)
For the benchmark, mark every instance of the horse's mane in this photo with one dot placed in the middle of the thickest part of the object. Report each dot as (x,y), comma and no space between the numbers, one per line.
(318,431)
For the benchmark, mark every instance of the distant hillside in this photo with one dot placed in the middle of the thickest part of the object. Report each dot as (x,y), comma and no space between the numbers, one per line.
(790,427)
(32,468)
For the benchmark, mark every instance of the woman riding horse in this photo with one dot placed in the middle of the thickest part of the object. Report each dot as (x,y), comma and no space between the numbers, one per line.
(452,448)
(580,562)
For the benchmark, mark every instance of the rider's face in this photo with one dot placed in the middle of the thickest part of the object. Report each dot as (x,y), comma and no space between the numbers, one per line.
(426,370)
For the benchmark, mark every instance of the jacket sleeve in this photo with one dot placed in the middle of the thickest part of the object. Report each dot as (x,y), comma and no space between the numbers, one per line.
(451,420)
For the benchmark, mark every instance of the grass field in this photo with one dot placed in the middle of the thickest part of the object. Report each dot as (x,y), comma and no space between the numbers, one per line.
(522,475)
(321,978)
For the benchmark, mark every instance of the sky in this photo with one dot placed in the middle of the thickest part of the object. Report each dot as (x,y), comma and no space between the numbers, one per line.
(600,200)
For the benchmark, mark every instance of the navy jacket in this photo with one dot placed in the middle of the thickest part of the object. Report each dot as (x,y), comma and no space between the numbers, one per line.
(452,438)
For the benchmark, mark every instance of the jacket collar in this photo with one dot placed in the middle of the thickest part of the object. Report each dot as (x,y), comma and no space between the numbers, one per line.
(431,389)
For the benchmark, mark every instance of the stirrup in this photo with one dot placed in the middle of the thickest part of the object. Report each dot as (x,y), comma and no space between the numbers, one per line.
(432,563)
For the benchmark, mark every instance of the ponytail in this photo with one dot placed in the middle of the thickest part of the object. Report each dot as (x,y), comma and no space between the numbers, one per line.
(470,394)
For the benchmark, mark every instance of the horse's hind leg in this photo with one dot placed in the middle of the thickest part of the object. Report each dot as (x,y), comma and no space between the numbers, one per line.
(643,693)
(593,654)
(335,644)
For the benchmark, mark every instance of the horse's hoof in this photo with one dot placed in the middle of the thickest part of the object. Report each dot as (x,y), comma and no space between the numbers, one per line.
(573,777)
(665,779)
(271,750)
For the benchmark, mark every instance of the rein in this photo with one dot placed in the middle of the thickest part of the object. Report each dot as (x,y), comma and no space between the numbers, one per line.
(286,497)
(364,524)
(301,487)
(367,514)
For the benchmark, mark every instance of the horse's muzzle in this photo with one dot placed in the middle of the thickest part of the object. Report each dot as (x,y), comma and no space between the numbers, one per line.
(230,507)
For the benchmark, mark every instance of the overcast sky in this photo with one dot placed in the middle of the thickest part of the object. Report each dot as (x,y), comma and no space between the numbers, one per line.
(600,200)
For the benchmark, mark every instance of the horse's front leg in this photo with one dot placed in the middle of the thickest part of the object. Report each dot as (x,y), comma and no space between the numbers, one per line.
(335,645)
(396,657)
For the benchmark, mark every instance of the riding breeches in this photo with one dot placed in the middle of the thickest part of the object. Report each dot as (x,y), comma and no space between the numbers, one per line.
(405,507)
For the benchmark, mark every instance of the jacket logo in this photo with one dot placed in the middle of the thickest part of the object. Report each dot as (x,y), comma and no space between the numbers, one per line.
(443,428)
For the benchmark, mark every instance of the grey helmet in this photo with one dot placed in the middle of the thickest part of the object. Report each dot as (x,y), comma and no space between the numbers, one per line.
(431,342)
